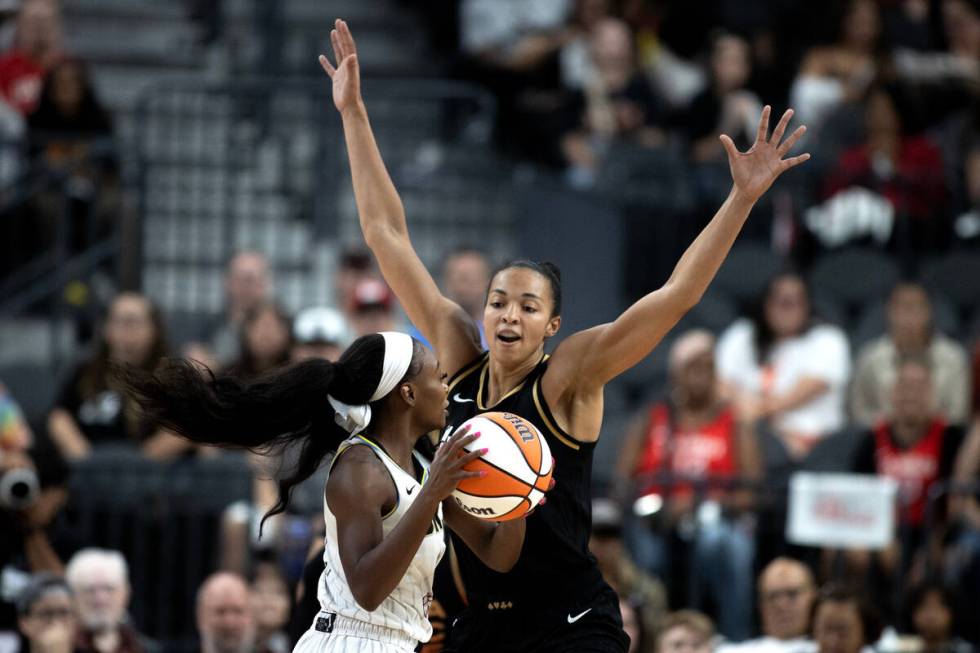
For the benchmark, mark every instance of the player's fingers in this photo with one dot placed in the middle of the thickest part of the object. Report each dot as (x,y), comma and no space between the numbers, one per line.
(347,38)
(777,133)
(729,146)
(791,141)
(795,161)
(760,137)
(327,67)
(469,457)
(551,485)
(338,52)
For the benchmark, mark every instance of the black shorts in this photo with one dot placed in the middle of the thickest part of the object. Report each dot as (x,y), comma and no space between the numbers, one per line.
(592,627)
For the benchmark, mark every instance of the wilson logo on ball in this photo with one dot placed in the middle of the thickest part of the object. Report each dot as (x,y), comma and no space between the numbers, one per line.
(517,466)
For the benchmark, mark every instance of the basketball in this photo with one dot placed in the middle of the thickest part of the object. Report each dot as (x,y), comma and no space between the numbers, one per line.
(518,468)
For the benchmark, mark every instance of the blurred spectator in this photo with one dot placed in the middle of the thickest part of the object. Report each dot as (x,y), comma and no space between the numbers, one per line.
(272,602)
(37,44)
(355,266)
(318,333)
(70,130)
(962,564)
(373,308)
(633,628)
(266,340)
(967,223)
(686,631)
(643,592)
(576,55)
(841,72)
(616,102)
(695,436)
(930,617)
(466,280)
(786,595)
(99,579)
(915,447)
(725,106)
(843,622)
(785,366)
(46,615)
(512,47)
(89,412)
(248,284)
(905,170)
(225,620)
(911,334)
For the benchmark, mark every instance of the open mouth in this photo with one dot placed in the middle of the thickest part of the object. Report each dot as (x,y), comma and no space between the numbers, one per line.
(508,337)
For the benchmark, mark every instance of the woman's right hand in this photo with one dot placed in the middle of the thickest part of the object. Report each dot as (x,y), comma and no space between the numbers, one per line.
(446,470)
(346,76)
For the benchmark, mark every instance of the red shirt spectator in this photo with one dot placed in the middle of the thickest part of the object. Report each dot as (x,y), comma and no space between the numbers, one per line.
(37,46)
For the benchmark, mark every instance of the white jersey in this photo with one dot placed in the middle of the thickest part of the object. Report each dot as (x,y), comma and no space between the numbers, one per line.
(406,609)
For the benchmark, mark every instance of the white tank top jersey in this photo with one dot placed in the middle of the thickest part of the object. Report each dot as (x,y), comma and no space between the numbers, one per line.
(407,608)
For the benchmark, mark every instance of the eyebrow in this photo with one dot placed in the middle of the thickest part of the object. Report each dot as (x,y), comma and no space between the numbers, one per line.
(529,295)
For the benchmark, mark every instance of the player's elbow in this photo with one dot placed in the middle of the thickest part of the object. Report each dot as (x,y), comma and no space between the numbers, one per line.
(380,234)
(366,599)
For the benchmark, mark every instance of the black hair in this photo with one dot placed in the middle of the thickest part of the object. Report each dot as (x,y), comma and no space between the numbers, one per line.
(841,593)
(39,586)
(285,407)
(916,596)
(763,335)
(547,269)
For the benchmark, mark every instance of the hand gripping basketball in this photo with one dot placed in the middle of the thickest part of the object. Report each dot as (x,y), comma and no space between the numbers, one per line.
(446,470)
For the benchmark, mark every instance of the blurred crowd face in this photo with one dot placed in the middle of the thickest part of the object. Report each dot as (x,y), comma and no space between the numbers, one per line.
(612,45)
(517,317)
(910,318)
(861,26)
(787,307)
(589,12)
(961,23)
(881,117)
(225,619)
(129,329)
(683,639)
(247,283)
(912,395)
(731,63)
(266,336)
(933,618)
(466,276)
(837,627)
(786,595)
(50,623)
(39,28)
(68,87)
(696,379)
(101,594)
(270,600)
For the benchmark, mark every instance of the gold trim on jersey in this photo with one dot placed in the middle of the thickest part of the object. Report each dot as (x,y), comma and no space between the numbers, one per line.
(466,371)
(479,389)
(555,431)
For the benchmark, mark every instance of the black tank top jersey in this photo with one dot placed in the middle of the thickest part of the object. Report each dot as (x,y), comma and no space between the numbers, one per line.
(556,573)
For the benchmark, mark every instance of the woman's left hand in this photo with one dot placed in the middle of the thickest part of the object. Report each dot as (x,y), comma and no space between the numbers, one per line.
(754,171)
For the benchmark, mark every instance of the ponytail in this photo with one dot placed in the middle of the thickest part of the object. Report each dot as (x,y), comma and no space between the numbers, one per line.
(284,407)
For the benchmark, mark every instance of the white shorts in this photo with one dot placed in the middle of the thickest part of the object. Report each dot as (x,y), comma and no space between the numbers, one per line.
(350,636)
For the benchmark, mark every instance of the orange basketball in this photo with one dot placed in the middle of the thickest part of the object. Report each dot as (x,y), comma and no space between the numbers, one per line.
(518,468)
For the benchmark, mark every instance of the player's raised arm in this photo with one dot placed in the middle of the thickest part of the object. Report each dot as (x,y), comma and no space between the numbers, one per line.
(611,349)
(382,217)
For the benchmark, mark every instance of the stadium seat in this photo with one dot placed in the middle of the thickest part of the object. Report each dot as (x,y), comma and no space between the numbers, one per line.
(854,278)
(715,312)
(33,387)
(955,277)
(746,271)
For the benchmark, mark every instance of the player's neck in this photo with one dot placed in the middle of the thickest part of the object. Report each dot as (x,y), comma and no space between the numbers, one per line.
(393,434)
(504,379)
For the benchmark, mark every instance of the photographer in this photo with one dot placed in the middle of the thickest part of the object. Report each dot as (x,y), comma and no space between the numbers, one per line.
(31,494)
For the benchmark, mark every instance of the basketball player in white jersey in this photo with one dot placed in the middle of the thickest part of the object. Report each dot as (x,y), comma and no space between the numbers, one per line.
(384,508)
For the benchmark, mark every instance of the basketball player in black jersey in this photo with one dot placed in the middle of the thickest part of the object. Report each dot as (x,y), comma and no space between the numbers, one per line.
(554,599)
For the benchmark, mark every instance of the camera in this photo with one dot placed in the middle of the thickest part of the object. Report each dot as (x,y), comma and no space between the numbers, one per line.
(19,488)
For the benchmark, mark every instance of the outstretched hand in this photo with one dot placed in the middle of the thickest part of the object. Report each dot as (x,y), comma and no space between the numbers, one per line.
(346,76)
(754,171)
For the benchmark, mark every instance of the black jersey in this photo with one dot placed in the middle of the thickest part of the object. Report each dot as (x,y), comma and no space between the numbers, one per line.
(556,577)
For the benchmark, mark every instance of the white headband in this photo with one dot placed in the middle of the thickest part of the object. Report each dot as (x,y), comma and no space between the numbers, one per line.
(399,349)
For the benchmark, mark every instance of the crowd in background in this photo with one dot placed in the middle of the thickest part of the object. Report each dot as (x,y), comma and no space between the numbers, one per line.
(690,530)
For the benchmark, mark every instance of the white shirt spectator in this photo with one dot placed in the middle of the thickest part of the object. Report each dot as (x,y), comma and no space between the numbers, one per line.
(822,352)
(770,645)
(488,24)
